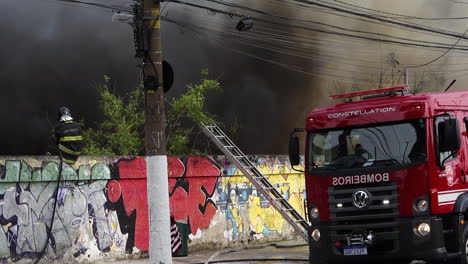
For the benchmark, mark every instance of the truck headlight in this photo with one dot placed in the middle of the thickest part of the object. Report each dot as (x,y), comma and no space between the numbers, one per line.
(423,229)
(316,235)
(422,205)
(314,213)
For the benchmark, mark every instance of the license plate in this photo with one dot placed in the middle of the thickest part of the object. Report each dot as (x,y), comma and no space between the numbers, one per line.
(355,251)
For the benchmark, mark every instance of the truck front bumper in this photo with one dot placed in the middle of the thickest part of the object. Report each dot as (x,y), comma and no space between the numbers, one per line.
(406,244)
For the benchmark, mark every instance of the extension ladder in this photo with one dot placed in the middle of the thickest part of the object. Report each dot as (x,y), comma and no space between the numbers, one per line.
(262,184)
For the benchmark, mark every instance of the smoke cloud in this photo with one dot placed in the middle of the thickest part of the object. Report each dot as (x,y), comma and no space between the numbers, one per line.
(53,54)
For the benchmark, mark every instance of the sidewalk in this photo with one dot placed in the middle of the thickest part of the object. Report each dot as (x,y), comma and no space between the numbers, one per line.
(279,252)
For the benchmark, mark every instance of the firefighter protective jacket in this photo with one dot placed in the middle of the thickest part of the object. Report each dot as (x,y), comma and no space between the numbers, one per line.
(69,139)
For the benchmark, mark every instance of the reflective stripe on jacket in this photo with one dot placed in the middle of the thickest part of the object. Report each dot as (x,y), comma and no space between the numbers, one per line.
(70,140)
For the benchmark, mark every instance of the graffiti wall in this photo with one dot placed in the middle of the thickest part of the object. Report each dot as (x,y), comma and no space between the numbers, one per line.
(98,208)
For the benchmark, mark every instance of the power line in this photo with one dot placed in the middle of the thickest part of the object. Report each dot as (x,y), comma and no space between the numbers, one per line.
(304,6)
(264,46)
(442,55)
(293,68)
(319,23)
(317,29)
(111,7)
(458,2)
(414,26)
(206,31)
(401,20)
(328,41)
(302,39)
(254,42)
(324,10)
(400,16)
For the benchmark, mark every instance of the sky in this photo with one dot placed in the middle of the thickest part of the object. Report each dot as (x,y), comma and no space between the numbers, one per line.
(55,54)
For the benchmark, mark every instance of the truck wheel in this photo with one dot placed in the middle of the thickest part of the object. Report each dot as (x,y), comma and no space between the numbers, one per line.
(464,248)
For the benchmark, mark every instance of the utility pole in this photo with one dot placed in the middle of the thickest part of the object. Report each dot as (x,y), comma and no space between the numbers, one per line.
(160,251)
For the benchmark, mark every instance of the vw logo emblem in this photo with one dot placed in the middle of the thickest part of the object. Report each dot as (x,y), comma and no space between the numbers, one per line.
(360,199)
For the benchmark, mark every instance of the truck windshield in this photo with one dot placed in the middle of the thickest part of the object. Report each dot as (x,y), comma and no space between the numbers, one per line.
(386,144)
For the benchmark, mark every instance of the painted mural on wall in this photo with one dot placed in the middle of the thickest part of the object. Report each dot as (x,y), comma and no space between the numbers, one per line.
(101,204)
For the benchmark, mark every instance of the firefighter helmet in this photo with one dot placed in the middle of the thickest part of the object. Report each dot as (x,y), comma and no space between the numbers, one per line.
(64,114)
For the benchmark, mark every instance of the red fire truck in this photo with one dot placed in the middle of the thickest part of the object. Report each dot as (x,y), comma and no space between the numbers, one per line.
(385,177)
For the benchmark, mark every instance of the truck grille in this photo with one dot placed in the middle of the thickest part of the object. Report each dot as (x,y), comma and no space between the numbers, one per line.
(377,217)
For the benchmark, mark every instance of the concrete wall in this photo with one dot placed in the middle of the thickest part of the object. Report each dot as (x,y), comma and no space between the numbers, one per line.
(101,210)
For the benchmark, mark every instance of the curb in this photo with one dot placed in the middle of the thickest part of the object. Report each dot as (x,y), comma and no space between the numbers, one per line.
(291,245)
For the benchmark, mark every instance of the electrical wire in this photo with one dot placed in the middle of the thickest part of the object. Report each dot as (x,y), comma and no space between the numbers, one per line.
(360,14)
(284,42)
(320,23)
(331,12)
(69,4)
(299,38)
(290,67)
(399,16)
(281,51)
(205,29)
(111,7)
(255,43)
(63,1)
(266,45)
(458,2)
(317,29)
(347,7)
(340,14)
(442,55)
(324,67)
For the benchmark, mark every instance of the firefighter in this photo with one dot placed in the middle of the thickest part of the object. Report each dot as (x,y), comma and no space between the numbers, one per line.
(361,151)
(67,137)
(343,144)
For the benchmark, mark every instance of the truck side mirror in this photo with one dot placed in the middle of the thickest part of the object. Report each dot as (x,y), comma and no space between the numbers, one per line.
(294,150)
(449,135)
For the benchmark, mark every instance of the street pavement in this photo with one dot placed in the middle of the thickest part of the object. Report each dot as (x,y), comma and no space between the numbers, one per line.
(277,253)
(285,252)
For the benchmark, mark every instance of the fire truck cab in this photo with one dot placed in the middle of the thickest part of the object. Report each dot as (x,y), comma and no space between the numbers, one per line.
(386,177)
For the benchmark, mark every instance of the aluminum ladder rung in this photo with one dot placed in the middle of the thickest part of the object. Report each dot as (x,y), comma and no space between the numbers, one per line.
(279,199)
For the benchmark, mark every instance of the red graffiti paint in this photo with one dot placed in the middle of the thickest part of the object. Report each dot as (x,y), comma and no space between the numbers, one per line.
(192,183)
(114,191)
(175,167)
(133,189)
(201,166)
(191,199)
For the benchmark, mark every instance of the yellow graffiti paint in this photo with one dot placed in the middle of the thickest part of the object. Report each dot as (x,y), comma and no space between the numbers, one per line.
(285,180)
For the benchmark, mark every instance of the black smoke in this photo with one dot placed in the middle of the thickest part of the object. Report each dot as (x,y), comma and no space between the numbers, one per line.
(53,55)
